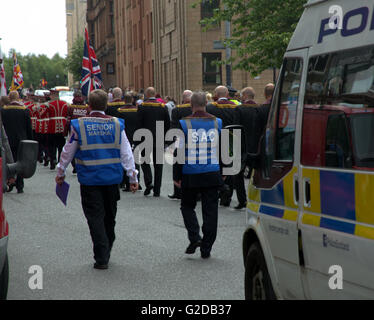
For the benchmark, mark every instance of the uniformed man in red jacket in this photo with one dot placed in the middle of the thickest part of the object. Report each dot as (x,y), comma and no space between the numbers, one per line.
(75,111)
(57,110)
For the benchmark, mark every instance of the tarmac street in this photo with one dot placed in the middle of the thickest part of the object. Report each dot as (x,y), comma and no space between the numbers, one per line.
(147,261)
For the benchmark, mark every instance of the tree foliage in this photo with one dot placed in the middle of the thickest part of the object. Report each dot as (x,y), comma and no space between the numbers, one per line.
(35,68)
(261,30)
(74,59)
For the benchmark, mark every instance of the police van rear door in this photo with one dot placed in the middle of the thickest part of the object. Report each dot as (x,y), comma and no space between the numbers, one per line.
(337,165)
(278,194)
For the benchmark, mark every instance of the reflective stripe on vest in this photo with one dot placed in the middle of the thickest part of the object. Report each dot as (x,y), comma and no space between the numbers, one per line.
(85,146)
(97,162)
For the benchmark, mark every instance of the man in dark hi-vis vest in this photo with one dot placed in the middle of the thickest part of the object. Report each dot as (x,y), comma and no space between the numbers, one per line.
(200,174)
(101,149)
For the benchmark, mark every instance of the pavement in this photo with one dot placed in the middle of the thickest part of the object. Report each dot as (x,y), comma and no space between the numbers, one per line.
(147,261)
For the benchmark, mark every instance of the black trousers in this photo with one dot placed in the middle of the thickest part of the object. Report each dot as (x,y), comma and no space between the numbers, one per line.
(43,145)
(209,205)
(148,179)
(19,179)
(240,187)
(177,191)
(100,208)
(227,191)
(56,143)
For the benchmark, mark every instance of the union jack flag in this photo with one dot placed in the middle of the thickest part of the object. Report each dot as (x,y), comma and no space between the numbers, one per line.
(91,72)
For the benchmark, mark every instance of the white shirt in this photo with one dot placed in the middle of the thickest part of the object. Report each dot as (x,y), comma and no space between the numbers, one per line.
(71,147)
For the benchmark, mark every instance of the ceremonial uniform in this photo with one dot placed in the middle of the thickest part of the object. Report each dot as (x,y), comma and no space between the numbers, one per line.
(17,124)
(201,174)
(57,111)
(224,109)
(32,110)
(149,113)
(245,115)
(177,114)
(128,112)
(75,111)
(41,131)
(101,148)
(113,106)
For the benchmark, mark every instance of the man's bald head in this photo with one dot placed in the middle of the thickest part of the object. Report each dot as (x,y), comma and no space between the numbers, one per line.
(269,90)
(248,94)
(13,96)
(186,97)
(117,93)
(221,92)
(150,92)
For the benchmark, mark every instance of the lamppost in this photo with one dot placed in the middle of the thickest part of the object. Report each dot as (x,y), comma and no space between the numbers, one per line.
(228,53)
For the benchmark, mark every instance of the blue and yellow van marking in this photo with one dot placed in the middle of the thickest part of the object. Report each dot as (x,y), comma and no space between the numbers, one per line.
(342,195)
(334,194)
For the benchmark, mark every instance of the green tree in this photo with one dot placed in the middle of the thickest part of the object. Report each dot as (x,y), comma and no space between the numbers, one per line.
(261,30)
(35,68)
(74,59)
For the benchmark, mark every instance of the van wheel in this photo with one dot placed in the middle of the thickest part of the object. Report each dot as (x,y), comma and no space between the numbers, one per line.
(257,280)
(4,279)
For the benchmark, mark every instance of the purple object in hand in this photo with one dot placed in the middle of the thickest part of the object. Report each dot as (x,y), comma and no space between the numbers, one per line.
(62,192)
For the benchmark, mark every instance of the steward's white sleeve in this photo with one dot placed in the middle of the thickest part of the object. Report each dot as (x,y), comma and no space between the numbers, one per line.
(127,159)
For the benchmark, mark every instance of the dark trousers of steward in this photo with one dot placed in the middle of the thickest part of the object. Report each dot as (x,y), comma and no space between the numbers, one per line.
(209,205)
(100,208)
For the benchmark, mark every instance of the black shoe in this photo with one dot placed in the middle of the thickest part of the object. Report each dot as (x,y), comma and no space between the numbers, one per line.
(174,196)
(240,206)
(46,162)
(157,195)
(192,247)
(100,266)
(20,191)
(74,171)
(53,165)
(225,204)
(10,187)
(148,190)
(140,188)
(205,254)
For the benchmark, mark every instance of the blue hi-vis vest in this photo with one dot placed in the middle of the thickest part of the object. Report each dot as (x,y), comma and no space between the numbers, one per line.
(201,144)
(98,159)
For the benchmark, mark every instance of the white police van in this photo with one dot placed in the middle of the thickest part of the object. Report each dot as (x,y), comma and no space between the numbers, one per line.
(310,213)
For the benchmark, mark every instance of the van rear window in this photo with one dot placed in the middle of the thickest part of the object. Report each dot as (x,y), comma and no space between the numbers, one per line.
(339,103)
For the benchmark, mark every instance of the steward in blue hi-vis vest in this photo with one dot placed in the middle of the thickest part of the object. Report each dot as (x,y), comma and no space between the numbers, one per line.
(201,144)
(98,159)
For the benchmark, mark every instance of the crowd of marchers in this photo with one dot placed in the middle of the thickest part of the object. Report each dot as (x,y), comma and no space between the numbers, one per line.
(97,137)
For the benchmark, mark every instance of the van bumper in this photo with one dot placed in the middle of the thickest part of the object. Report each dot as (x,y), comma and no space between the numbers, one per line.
(3,251)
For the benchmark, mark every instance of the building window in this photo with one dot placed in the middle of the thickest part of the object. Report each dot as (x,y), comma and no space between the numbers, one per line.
(207,8)
(212,73)
(110,68)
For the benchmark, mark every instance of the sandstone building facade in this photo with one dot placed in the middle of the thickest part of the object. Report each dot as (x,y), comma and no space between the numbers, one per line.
(161,43)
(75,24)
(101,29)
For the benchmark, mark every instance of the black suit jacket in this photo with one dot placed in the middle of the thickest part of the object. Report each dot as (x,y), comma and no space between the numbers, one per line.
(17,125)
(149,112)
(223,109)
(178,113)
